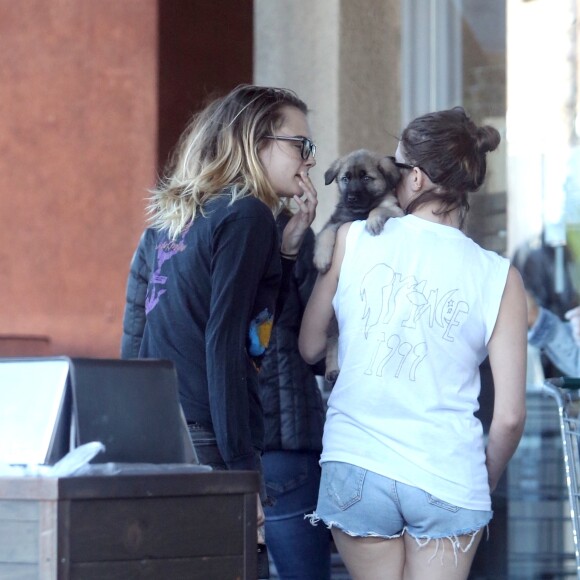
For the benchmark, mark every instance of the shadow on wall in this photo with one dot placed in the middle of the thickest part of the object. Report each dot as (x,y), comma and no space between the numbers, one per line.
(17,345)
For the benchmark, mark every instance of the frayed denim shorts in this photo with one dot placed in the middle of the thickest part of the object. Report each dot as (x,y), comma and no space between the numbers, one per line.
(362,503)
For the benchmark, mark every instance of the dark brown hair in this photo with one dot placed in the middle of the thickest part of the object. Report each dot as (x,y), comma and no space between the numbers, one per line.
(451,150)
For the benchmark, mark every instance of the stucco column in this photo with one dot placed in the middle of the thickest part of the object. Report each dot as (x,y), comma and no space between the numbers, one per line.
(342,58)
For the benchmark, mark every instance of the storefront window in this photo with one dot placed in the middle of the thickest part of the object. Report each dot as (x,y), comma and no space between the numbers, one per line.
(543,157)
(513,64)
(460,59)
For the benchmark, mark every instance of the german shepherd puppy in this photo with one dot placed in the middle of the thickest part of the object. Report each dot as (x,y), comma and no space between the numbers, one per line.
(366,185)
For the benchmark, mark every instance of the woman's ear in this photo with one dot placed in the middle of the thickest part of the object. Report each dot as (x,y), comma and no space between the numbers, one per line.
(417,179)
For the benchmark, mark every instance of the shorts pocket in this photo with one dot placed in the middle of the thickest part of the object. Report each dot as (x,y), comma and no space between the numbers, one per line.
(434,501)
(343,483)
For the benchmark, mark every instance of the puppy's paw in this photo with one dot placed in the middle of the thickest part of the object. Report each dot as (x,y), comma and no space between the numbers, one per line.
(379,215)
(331,376)
(322,260)
(324,249)
(376,222)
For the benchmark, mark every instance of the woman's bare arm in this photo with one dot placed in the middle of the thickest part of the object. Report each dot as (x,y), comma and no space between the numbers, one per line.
(507,355)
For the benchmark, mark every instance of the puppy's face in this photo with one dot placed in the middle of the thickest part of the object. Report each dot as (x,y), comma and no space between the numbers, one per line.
(364,178)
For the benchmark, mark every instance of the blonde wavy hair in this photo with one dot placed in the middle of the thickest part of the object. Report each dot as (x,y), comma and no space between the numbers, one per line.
(218,151)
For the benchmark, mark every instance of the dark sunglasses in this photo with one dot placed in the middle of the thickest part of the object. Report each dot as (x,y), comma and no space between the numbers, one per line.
(308,147)
(401,165)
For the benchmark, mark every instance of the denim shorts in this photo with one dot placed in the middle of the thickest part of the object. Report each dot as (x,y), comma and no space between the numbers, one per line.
(363,503)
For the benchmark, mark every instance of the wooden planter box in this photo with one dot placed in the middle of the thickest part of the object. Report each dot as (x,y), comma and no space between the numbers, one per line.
(162,526)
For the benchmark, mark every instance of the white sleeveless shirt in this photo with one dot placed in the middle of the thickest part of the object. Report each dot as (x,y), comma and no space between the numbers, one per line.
(416,307)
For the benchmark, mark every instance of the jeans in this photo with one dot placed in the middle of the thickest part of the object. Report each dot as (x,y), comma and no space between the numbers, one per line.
(299,550)
(205,446)
(206,449)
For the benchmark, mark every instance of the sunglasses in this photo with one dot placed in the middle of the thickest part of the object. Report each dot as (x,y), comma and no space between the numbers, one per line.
(308,147)
(401,165)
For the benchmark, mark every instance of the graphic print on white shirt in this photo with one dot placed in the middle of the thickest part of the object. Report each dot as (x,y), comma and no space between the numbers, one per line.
(385,292)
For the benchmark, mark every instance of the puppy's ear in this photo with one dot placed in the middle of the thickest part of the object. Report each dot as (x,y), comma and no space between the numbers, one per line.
(389,171)
(332,172)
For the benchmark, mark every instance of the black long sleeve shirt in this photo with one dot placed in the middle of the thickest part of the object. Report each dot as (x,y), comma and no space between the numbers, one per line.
(210,305)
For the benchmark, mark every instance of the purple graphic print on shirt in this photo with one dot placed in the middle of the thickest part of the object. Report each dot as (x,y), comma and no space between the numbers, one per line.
(166,249)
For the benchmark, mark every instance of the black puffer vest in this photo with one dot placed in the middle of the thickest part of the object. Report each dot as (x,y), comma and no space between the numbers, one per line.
(134,314)
(291,399)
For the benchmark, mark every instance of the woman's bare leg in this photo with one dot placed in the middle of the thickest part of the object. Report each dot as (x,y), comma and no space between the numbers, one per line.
(371,558)
(440,562)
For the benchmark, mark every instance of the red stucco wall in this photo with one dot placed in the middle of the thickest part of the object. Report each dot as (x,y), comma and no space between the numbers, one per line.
(79,146)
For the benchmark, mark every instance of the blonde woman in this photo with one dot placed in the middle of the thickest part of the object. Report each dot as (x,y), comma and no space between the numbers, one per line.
(219,265)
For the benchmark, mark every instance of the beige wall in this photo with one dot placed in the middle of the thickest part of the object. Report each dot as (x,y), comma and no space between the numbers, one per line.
(369,80)
(342,58)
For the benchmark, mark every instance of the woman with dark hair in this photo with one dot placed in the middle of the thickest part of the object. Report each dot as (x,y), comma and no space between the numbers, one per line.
(406,476)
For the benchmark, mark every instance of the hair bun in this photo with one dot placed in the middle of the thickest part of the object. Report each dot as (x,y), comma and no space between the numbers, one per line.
(488,138)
